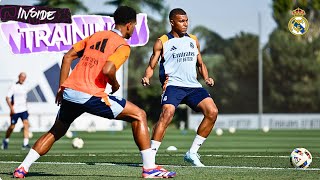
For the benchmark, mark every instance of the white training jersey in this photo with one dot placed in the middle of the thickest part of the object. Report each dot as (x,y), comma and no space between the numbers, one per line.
(179,59)
(18,95)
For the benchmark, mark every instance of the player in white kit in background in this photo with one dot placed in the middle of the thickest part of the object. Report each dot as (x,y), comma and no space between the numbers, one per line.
(17,102)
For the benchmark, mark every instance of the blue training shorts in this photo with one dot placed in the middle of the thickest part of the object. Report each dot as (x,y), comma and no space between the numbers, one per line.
(176,95)
(15,117)
(69,111)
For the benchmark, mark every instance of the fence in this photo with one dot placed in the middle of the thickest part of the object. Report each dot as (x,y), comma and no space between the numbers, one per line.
(251,121)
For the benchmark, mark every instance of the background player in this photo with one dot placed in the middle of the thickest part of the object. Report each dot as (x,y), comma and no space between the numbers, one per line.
(17,102)
(180,57)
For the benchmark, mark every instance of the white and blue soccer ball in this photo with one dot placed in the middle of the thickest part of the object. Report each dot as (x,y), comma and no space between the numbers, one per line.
(77,143)
(300,158)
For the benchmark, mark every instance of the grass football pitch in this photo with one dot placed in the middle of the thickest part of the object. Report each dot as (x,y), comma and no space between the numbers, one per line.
(113,155)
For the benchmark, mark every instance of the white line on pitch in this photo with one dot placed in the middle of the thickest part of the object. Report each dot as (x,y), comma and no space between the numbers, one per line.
(137,165)
(205,155)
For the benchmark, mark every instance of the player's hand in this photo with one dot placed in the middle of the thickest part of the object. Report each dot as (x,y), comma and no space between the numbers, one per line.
(115,88)
(59,96)
(209,82)
(145,81)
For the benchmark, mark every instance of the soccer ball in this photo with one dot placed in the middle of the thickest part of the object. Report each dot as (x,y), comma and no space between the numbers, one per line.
(265,129)
(232,130)
(69,134)
(300,158)
(219,132)
(77,143)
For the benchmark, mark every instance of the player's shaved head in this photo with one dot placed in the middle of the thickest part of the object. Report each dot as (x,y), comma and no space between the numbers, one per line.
(176,11)
(22,77)
(22,74)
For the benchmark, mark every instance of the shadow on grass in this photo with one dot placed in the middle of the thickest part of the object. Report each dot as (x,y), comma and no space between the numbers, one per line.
(35,174)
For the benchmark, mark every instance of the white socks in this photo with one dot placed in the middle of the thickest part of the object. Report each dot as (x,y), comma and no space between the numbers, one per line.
(155,146)
(148,159)
(197,142)
(30,158)
(25,141)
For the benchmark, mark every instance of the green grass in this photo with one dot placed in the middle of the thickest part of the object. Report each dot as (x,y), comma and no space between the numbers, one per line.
(113,155)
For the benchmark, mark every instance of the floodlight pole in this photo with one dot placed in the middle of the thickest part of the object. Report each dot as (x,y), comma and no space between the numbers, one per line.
(260,78)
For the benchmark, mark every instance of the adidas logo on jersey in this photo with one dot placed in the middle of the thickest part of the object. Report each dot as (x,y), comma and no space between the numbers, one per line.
(173,48)
(191,45)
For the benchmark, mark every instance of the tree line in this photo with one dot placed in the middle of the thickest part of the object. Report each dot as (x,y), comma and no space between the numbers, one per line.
(291,64)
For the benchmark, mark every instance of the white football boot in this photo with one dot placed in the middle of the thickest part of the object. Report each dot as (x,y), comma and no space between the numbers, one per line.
(193,158)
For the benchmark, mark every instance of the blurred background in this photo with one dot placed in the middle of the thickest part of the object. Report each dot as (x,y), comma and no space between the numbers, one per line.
(283,91)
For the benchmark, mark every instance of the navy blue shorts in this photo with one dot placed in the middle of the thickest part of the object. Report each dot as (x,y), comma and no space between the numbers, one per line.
(69,111)
(15,117)
(176,95)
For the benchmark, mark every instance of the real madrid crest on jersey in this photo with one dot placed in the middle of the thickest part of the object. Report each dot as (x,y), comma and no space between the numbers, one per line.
(298,25)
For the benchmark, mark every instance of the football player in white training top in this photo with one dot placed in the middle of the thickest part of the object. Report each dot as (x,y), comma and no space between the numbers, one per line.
(17,102)
(180,58)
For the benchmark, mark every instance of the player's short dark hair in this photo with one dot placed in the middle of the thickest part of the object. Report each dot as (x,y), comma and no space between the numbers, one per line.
(124,15)
(176,11)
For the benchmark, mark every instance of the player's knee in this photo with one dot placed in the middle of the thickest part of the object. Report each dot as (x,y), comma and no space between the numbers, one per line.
(167,115)
(59,129)
(12,126)
(212,113)
(142,116)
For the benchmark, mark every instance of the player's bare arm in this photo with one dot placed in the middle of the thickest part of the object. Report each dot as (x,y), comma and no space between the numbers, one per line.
(109,70)
(202,68)
(157,48)
(66,64)
(10,105)
(64,72)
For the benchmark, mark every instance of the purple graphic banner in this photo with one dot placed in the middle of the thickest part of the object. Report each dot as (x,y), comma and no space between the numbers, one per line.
(26,38)
(34,14)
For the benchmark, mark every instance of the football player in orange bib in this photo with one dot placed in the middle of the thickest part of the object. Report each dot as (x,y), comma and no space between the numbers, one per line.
(102,54)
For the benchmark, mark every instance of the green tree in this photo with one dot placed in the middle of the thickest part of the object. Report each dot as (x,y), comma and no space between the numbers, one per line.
(282,12)
(291,74)
(234,65)
(213,42)
(154,5)
(237,76)
(292,63)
